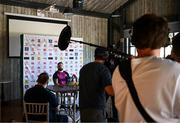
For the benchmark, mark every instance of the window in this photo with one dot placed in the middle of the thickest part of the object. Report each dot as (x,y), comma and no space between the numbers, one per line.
(164,51)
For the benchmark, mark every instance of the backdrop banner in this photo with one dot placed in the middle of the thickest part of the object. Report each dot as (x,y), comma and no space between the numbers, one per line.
(40,53)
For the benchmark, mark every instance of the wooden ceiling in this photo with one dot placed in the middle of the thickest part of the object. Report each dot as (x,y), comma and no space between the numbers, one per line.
(89,7)
(102,6)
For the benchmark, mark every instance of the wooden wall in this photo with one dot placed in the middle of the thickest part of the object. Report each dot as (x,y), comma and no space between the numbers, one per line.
(166,8)
(91,29)
(9,68)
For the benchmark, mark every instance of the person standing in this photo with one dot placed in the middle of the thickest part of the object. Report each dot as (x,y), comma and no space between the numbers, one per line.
(94,82)
(156,79)
(60,77)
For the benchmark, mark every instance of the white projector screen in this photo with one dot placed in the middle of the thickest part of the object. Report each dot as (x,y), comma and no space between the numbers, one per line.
(20,25)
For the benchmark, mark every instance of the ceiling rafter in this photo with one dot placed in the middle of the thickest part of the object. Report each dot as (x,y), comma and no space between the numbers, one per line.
(36,5)
(125,5)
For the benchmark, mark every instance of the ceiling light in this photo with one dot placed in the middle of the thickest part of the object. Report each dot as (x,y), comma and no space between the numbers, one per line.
(115,15)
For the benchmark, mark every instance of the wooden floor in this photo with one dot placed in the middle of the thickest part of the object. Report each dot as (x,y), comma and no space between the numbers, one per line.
(12,111)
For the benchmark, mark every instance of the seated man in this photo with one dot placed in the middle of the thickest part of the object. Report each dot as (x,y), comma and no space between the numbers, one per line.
(39,94)
(60,77)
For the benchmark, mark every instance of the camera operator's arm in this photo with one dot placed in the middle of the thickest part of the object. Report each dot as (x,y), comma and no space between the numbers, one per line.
(107,81)
(109,90)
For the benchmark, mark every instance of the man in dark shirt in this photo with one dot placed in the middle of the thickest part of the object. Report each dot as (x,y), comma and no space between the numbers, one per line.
(39,94)
(94,81)
(60,77)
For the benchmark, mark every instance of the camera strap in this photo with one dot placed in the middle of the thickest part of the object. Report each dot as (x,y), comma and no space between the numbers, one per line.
(126,73)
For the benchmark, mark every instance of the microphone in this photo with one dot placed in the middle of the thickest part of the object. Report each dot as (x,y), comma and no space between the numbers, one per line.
(64,38)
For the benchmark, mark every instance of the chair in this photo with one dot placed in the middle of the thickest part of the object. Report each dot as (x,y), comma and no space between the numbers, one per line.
(35,112)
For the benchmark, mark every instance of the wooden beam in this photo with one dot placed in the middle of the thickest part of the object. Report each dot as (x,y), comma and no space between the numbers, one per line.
(129,2)
(36,5)
(90,13)
(27,4)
